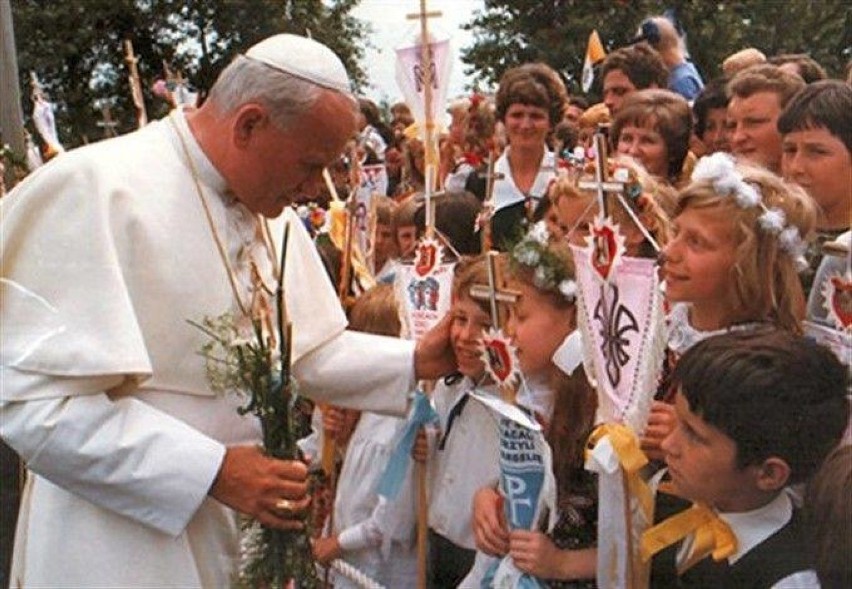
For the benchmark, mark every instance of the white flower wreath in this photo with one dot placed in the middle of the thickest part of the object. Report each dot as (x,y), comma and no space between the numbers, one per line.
(548,271)
(720,169)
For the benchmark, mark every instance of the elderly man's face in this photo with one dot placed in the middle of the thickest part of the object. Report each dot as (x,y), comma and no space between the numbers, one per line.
(283,163)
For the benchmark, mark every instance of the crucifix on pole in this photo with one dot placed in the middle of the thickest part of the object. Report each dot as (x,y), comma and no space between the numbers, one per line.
(487,211)
(108,124)
(617,186)
(602,185)
(501,359)
(428,73)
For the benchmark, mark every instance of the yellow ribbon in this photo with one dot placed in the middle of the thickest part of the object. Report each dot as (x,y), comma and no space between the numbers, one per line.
(712,536)
(625,444)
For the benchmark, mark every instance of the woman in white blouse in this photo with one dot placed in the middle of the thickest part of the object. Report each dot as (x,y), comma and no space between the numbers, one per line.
(530,102)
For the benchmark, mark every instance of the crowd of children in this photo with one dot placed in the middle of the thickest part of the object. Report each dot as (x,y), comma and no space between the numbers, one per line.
(737,191)
(741,190)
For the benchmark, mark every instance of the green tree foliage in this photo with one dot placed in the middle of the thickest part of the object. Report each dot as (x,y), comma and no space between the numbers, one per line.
(76,48)
(511,32)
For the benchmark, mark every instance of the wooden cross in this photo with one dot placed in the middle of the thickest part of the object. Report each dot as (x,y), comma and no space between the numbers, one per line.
(602,185)
(429,218)
(428,69)
(426,64)
(499,300)
(135,84)
(487,211)
(108,124)
(37,89)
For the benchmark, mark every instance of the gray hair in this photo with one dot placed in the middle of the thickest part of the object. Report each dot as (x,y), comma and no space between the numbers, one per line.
(247,80)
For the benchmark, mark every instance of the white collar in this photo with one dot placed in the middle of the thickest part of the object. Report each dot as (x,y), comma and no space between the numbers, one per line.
(682,335)
(753,527)
(470,385)
(506,192)
(207,172)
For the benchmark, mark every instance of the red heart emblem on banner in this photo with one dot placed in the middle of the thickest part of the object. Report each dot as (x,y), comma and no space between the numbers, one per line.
(499,359)
(841,300)
(427,257)
(603,253)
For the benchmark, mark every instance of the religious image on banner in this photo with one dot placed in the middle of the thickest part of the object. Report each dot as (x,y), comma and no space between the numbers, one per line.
(411,78)
(835,330)
(427,256)
(607,247)
(424,288)
(621,319)
(373,180)
(524,484)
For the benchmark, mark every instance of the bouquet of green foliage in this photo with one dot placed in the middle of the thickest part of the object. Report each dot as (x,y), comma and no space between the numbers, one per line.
(257,368)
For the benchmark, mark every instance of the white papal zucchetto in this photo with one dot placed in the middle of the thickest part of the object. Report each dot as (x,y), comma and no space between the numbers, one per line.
(304,58)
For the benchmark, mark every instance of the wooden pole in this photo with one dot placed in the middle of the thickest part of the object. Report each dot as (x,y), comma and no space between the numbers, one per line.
(428,69)
(499,298)
(431,160)
(11,114)
(422,524)
(135,84)
(487,211)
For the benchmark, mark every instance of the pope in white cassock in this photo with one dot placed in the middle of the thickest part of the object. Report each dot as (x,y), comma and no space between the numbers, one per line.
(136,468)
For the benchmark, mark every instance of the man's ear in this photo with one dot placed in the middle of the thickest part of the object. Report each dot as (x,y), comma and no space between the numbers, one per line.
(772,474)
(248,120)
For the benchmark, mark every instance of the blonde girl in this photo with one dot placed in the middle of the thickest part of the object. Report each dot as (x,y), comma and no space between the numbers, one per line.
(739,236)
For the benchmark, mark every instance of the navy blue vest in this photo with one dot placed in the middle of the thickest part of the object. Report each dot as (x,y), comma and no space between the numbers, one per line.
(777,557)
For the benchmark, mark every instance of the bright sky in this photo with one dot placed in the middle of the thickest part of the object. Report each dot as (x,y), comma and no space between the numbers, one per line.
(391,29)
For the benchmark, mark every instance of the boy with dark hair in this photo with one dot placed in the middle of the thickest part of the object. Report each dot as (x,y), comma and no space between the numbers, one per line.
(757,411)
(632,68)
(816,130)
(455,219)
(405,225)
(711,110)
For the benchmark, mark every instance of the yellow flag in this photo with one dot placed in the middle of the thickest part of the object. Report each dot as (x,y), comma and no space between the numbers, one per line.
(594,53)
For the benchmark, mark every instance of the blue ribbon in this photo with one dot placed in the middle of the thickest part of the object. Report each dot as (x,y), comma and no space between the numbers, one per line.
(525,581)
(421,414)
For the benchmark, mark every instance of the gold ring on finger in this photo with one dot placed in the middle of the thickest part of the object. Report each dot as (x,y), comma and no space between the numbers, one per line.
(285,505)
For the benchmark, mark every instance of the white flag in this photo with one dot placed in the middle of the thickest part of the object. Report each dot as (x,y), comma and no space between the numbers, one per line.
(411,77)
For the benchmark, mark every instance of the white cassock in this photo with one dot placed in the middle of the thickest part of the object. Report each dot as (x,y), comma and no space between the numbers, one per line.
(106,253)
